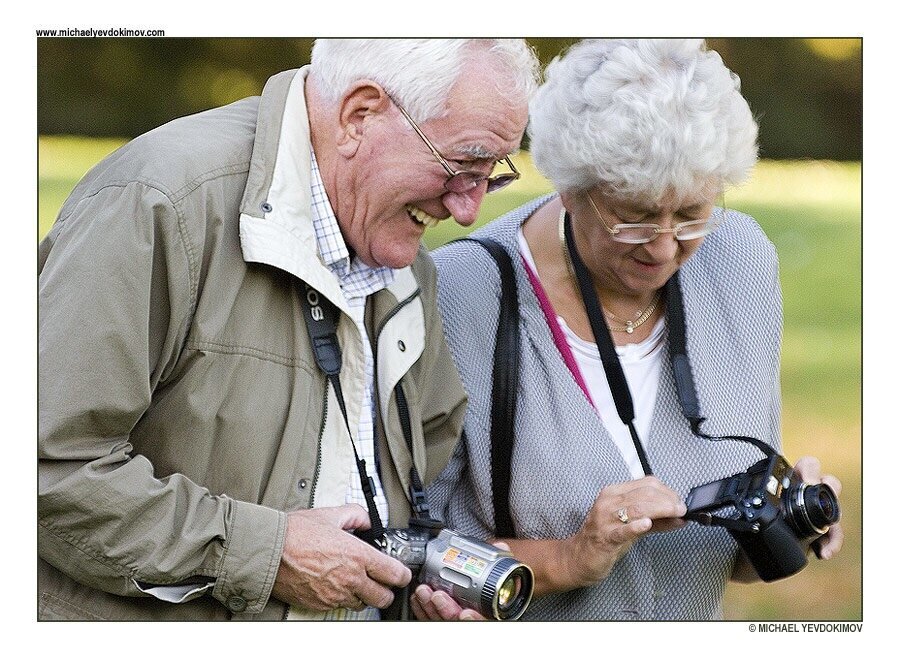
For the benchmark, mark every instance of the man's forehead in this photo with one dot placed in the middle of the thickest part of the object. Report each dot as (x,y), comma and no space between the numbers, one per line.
(479,152)
(483,133)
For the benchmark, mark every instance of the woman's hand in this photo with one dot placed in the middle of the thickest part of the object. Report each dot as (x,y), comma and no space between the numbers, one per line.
(810,470)
(428,604)
(621,514)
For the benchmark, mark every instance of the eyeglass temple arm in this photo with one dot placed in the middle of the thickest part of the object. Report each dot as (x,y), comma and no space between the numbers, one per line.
(425,139)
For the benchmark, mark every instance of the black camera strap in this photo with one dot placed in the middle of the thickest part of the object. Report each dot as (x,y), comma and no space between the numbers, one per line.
(618,385)
(321,318)
(504,385)
(681,369)
(678,356)
(417,496)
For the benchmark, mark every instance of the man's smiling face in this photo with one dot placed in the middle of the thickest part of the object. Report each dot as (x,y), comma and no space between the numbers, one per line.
(398,184)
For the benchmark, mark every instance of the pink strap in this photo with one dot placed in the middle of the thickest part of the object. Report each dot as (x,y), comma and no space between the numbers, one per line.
(558,337)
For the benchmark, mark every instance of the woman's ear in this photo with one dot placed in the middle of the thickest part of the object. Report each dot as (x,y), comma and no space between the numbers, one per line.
(568,200)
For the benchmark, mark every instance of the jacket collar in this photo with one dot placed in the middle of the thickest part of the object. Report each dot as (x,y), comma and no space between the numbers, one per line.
(276,218)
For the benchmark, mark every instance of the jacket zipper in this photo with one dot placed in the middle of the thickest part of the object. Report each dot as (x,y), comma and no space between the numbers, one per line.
(403,412)
(402,303)
(315,477)
(400,395)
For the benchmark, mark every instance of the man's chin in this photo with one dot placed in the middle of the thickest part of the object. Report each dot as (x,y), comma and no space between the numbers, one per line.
(395,257)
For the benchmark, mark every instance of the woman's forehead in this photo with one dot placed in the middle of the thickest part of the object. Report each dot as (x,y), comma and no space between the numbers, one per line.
(698,194)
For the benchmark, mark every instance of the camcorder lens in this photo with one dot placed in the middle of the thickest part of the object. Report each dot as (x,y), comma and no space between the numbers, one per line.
(514,590)
(508,591)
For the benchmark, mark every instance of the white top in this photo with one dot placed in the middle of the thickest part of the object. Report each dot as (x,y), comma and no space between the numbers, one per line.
(641,363)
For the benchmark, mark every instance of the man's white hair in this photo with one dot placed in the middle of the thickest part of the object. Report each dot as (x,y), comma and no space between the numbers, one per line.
(640,117)
(419,73)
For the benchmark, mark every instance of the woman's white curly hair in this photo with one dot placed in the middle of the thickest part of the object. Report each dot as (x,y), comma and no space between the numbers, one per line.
(640,118)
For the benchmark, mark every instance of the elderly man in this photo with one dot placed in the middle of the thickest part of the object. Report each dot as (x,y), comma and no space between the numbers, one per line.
(196,459)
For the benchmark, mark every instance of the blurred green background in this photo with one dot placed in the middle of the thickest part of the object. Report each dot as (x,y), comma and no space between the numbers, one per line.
(93,94)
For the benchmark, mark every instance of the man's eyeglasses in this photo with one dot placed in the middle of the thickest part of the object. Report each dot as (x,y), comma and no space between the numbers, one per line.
(464,181)
(638,234)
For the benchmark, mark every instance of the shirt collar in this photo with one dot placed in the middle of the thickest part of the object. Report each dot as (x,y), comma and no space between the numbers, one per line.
(356,277)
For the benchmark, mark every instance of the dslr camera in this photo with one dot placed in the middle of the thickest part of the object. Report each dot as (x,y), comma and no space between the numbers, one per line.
(770,511)
(476,574)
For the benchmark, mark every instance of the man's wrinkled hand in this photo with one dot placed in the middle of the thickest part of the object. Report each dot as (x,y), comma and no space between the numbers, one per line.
(324,567)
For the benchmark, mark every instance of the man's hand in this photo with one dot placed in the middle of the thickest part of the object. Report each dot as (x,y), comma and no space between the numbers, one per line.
(428,604)
(323,567)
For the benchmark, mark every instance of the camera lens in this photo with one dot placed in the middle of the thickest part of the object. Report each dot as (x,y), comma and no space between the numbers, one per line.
(811,509)
(508,589)
(821,505)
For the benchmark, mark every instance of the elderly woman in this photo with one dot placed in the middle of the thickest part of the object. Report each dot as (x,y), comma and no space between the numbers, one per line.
(640,138)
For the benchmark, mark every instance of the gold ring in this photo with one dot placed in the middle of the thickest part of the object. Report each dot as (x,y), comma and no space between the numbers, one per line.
(622,514)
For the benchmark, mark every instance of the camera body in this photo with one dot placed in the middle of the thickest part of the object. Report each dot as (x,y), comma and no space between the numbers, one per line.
(476,574)
(770,511)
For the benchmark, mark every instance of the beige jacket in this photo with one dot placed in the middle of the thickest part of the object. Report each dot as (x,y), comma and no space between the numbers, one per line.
(180,409)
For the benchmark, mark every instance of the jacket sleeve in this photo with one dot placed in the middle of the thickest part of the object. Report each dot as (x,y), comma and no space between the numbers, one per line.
(116,291)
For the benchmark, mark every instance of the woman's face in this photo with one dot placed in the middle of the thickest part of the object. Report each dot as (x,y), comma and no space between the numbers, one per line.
(635,270)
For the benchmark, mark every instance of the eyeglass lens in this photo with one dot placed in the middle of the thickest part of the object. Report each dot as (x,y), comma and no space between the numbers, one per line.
(463,182)
(643,233)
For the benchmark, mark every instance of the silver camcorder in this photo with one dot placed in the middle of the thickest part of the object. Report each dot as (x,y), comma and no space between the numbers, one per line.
(476,574)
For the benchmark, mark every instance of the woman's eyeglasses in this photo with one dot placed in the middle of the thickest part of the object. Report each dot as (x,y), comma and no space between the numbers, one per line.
(638,234)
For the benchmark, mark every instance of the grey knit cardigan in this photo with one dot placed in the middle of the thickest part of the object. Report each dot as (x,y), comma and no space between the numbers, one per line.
(563,455)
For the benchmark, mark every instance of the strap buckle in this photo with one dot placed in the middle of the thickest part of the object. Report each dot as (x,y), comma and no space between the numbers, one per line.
(419,500)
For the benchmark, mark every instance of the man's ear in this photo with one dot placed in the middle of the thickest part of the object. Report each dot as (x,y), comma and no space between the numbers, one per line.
(362,103)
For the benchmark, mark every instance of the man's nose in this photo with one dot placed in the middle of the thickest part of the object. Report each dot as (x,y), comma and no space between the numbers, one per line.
(464,206)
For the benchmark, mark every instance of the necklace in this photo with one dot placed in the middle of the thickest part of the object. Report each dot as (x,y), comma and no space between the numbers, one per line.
(627,326)
(639,319)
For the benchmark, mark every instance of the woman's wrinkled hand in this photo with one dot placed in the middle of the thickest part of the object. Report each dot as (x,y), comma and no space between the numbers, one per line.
(810,470)
(621,514)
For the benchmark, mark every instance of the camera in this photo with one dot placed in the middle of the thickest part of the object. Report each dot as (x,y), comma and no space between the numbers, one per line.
(770,511)
(476,574)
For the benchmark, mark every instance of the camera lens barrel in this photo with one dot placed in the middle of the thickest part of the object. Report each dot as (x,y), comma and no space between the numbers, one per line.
(507,589)
(811,509)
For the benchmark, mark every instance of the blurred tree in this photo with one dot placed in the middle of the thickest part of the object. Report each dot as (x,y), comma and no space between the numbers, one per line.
(807,93)
(124,87)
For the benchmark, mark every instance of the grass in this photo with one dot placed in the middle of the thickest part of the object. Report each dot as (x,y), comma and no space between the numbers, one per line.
(812,213)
